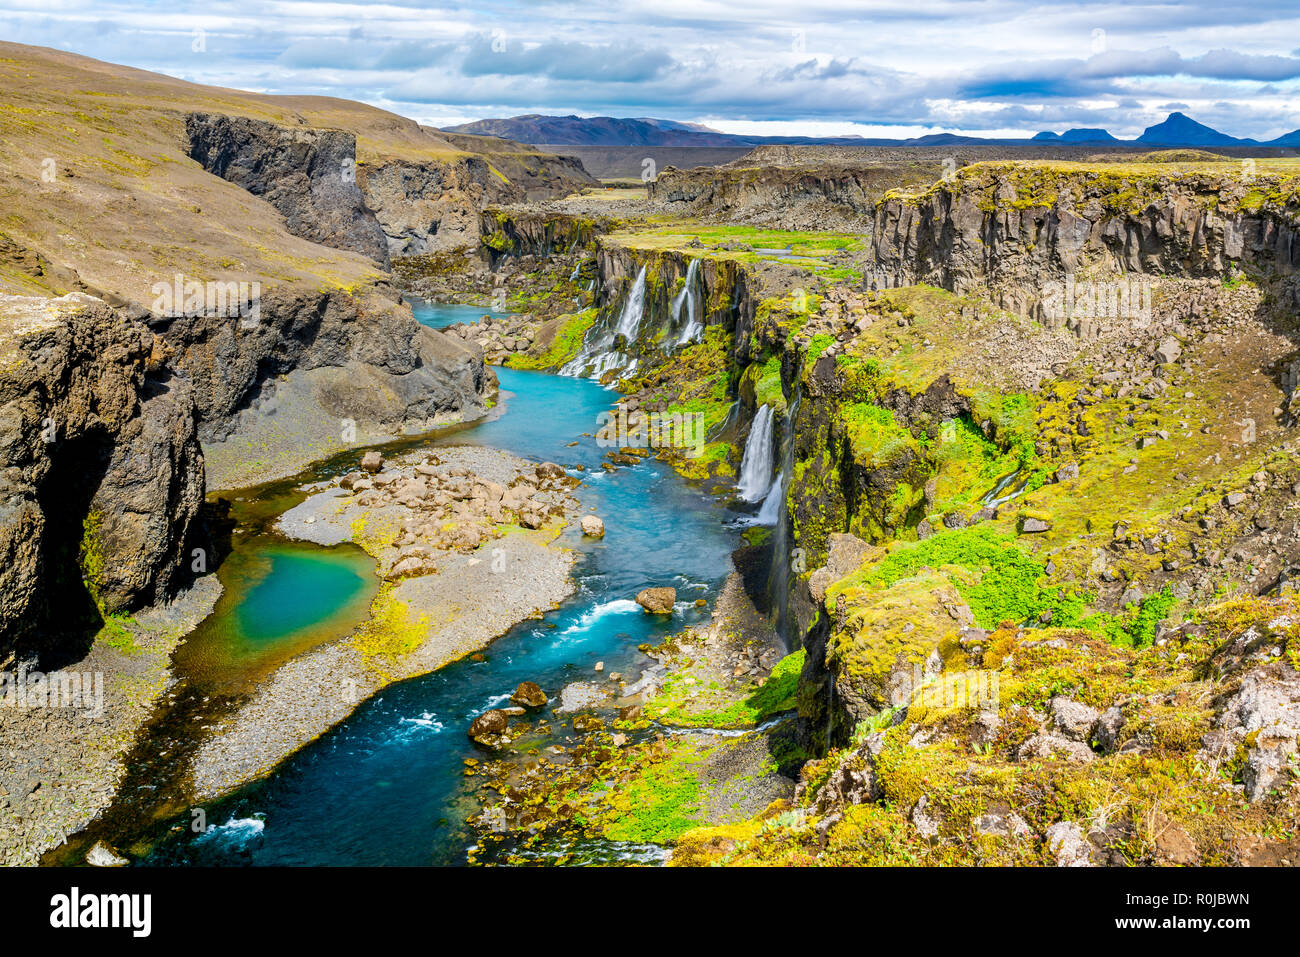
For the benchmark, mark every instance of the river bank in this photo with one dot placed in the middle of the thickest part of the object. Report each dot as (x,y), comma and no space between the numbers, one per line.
(448,592)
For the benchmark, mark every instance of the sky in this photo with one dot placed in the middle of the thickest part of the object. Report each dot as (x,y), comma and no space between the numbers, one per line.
(813,67)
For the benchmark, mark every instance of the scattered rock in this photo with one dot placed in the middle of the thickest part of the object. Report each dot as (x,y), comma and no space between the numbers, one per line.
(593,527)
(372,462)
(657,601)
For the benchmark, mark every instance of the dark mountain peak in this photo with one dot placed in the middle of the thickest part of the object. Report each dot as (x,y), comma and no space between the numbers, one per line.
(1179,129)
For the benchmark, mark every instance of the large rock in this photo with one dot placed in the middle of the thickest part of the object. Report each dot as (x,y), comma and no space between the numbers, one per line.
(309,175)
(529,695)
(489,726)
(657,601)
(593,527)
(102,475)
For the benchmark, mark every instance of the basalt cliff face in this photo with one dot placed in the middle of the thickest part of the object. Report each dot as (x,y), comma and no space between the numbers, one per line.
(103,473)
(816,195)
(1016,227)
(309,175)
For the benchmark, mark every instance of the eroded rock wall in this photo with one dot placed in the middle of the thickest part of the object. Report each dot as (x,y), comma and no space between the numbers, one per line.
(309,175)
(103,473)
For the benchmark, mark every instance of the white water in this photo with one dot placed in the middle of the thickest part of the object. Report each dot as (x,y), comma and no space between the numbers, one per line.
(686,299)
(629,323)
(756,463)
(598,355)
(770,513)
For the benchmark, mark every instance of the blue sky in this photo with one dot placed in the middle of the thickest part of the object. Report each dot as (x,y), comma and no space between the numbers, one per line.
(988,67)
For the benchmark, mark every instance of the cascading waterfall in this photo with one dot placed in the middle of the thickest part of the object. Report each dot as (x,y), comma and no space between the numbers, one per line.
(778,585)
(629,322)
(756,463)
(770,512)
(598,355)
(693,328)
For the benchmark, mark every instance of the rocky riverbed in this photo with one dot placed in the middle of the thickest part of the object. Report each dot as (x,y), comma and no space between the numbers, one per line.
(61,762)
(465,541)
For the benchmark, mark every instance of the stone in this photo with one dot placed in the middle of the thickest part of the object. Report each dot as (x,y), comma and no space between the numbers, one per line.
(489,725)
(372,462)
(587,723)
(1105,733)
(1068,845)
(923,820)
(657,601)
(845,553)
(101,855)
(1034,526)
(529,694)
(1051,746)
(593,527)
(1169,350)
(1002,825)
(1067,472)
(1074,719)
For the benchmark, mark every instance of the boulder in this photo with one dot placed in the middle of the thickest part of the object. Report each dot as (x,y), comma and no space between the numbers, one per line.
(1169,350)
(372,462)
(489,725)
(593,527)
(1068,845)
(529,695)
(101,855)
(657,601)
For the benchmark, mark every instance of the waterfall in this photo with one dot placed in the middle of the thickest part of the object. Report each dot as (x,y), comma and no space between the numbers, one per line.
(598,355)
(756,463)
(693,328)
(778,584)
(770,513)
(629,322)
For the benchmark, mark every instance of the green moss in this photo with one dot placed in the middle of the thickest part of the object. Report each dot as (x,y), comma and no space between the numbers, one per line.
(565,346)
(776,694)
(660,804)
(874,434)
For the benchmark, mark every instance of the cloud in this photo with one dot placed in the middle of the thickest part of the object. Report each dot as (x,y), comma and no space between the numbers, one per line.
(931,64)
(589,62)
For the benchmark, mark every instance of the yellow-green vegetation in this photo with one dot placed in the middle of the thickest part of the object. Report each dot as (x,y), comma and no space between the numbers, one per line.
(566,344)
(695,381)
(659,803)
(683,700)
(1126,188)
(115,630)
(1146,797)
(391,631)
(374,535)
(761,384)
(747,245)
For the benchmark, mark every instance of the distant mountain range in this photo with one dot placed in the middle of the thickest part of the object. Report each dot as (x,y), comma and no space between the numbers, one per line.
(1177,129)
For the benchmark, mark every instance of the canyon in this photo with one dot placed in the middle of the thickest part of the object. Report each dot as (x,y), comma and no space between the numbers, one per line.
(985,553)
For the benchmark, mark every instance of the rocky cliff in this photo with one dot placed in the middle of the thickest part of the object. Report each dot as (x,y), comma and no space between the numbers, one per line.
(1015,227)
(103,473)
(802,196)
(309,175)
